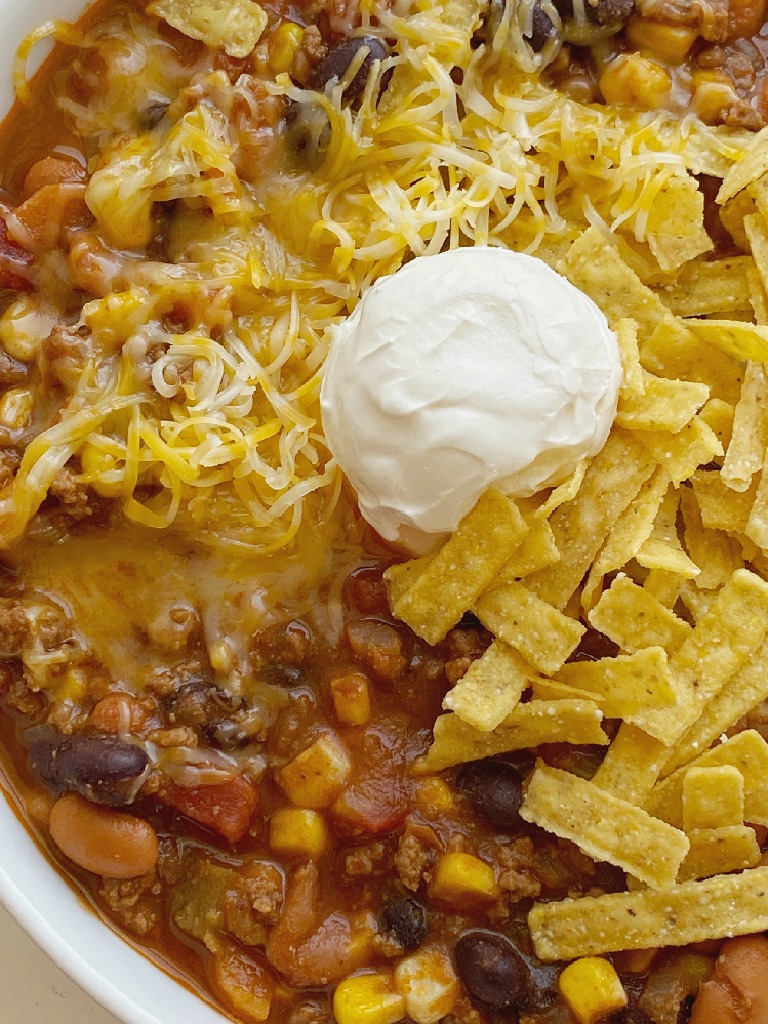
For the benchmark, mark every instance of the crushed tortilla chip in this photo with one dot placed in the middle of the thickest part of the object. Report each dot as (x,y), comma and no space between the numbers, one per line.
(234,26)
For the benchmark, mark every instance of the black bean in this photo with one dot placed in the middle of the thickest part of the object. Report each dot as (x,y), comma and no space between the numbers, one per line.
(495,791)
(335,65)
(608,15)
(406,921)
(200,704)
(491,968)
(541,29)
(153,113)
(100,768)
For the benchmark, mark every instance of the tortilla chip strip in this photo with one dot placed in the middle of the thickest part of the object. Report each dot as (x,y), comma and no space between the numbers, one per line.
(491,687)
(604,826)
(663,552)
(633,375)
(634,619)
(743,692)
(536,550)
(232,25)
(675,227)
(631,530)
(724,905)
(752,165)
(732,630)
(672,350)
(682,453)
(718,416)
(720,507)
(715,851)
(663,584)
(713,797)
(580,526)
(542,634)
(716,286)
(538,721)
(664,405)
(627,685)
(631,765)
(462,568)
(735,338)
(757,524)
(598,269)
(749,438)
(717,555)
(747,752)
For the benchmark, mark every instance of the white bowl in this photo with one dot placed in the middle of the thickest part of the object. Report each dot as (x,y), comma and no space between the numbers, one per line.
(119,977)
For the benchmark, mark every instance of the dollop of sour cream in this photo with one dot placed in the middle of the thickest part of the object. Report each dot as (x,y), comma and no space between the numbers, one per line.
(476,367)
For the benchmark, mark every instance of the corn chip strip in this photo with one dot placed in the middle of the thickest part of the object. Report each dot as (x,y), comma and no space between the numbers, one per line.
(550,689)
(403,575)
(757,295)
(690,912)
(751,166)
(232,25)
(675,226)
(604,826)
(538,721)
(720,507)
(713,797)
(632,378)
(664,405)
(734,337)
(716,286)
(491,687)
(536,550)
(664,584)
(749,439)
(466,563)
(756,233)
(580,526)
(663,553)
(757,524)
(743,692)
(718,416)
(746,751)
(599,270)
(733,214)
(672,350)
(682,453)
(731,631)
(542,634)
(631,765)
(631,530)
(627,685)
(698,602)
(566,491)
(715,851)
(634,619)
(717,555)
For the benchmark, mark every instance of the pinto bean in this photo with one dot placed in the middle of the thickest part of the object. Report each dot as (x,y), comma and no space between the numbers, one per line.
(98,839)
(738,990)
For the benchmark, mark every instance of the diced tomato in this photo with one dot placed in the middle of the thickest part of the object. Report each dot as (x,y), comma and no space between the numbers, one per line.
(15,262)
(224,807)
(376,801)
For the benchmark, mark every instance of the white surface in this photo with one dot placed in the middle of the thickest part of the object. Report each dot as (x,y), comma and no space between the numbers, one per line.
(34,989)
(473,368)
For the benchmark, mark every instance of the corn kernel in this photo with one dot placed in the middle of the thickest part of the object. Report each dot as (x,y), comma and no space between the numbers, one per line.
(283,46)
(636,80)
(434,796)
(297,832)
(671,42)
(16,409)
(316,776)
(713,94)
(592,989)
(367,999)
(427,982)
(362,932)
(461,878)
(221,656)
(351,698)
(23,327)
